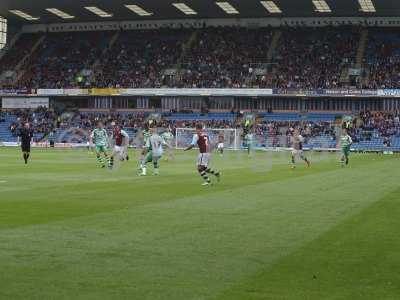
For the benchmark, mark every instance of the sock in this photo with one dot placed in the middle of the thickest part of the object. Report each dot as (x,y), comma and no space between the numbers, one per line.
(347,160)
(100,160)
(141,161)
(208,170)
(204,175)
(144,170)
(211,171)
(306,160)
(25,158)
(111,161)
(293,161)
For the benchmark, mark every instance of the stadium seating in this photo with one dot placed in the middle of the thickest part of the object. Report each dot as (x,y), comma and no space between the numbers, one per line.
(61,59)
(314,58)
(298,117)
(19,51)
(373,131)
(210,57)
(225,57)
(5,132)
(214,57)
(383,59)
(202,117)
(138,58)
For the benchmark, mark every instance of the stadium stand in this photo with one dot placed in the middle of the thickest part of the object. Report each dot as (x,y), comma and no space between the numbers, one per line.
(314,58)
(371,131)
(210,57)
(141,58)
(61,59)
(383,59)
(225,57)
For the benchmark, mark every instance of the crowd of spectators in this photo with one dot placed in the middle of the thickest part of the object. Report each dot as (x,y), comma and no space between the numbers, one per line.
(140,59)
(212,57)
(314,58)
(383,59)
(365,126)
(21,49)
(135,121)
(379,123)
(17,56)
(43,121)
(279,132)
(64,60)
(225,57)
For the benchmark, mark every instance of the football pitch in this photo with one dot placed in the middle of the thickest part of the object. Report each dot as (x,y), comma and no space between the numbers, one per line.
(71,230)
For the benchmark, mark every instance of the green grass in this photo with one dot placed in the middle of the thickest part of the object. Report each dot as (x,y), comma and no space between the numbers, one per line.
(70,230)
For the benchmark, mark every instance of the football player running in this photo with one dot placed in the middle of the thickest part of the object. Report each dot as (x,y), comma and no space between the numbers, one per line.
(201,139)
(121,143)
(297,148)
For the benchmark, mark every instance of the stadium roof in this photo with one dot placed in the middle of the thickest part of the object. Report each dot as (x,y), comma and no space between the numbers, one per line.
(51,11)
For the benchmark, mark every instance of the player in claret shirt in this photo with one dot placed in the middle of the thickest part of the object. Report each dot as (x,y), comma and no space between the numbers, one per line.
(121,143)
(297,148)
(200,138)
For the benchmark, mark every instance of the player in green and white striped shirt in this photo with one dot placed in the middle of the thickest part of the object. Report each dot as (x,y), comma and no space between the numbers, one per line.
(345,144)
(146,135)
(154,151)
(99,138)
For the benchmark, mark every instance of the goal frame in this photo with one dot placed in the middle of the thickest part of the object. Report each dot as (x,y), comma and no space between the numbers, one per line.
(234,146)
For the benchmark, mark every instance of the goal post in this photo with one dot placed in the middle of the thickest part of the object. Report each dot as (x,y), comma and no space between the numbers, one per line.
(183,137)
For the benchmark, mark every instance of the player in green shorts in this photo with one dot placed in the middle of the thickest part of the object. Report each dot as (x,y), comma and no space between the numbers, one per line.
(345,143)
(146,135)
(153,151)
(99,138)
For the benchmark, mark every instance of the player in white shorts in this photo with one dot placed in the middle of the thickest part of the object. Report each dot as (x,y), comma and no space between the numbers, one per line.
(297,148)
(220,144)
(168,138)
(154,151)
(200,138)
(120,149)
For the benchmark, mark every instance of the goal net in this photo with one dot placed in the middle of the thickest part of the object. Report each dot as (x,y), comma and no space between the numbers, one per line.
(184,136)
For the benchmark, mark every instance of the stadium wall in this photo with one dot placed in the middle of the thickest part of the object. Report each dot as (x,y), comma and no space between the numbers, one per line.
(200,23)
(210,103)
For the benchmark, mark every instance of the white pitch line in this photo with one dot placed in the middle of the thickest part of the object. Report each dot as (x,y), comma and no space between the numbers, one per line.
(3,181)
